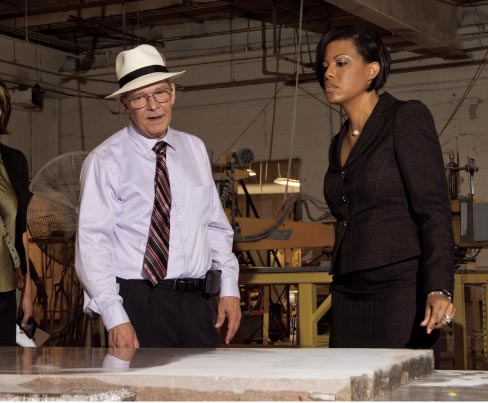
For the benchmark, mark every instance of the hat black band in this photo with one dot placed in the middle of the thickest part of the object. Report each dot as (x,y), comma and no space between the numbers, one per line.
(156,68)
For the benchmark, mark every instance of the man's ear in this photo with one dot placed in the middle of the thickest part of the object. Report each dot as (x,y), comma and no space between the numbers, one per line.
(173,93)
(124,103)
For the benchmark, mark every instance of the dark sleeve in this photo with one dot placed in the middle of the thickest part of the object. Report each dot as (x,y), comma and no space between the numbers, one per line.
(23,192)
(21,175)
(421,165)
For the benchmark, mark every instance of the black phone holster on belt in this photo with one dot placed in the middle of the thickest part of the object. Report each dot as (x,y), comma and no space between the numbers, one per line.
(212,283)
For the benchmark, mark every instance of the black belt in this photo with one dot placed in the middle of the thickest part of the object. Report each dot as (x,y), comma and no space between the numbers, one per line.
(182,284)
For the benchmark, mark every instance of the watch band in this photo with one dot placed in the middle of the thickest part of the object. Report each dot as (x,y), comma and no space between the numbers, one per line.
(442,291)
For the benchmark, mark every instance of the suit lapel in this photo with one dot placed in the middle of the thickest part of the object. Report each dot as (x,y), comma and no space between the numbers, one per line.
(335,151)
(373,128)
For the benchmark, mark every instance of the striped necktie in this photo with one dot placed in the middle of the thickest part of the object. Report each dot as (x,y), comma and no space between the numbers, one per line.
(157,249)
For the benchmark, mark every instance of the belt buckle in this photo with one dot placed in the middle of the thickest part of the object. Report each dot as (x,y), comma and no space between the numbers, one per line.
(186,285)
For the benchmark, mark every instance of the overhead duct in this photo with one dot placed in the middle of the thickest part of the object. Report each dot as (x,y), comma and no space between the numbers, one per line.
(30,97)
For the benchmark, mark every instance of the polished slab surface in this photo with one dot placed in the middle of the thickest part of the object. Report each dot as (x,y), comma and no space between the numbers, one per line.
(444,386)
(210,374)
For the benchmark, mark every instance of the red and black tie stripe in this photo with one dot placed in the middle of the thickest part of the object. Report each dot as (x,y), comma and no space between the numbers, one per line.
(157,248)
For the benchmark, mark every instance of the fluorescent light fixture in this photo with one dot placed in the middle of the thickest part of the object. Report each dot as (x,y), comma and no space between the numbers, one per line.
(250,172)
(291,182)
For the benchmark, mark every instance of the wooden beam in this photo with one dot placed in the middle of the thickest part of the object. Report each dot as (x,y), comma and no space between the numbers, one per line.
(290,234)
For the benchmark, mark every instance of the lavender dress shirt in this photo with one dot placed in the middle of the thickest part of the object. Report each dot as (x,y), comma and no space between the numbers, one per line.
(117,197)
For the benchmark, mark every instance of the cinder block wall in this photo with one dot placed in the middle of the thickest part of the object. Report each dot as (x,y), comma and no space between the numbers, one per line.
(257,116)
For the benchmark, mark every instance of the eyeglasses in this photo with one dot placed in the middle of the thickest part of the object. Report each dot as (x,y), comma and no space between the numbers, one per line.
(140,101)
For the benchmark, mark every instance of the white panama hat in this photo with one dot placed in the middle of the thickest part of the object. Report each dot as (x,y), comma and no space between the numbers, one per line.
(138,67)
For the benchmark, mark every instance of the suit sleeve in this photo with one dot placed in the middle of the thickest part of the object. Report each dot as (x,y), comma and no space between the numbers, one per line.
(21,178)
(421,165)
(23,187)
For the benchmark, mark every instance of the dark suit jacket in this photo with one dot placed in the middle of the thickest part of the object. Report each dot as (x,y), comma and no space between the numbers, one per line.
(18,172)
(390,198)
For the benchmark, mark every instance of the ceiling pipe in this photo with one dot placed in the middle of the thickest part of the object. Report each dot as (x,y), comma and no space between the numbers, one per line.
(198,60)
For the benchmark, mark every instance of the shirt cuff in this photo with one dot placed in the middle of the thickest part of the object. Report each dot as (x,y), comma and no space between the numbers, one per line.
(229,288)
(114,315)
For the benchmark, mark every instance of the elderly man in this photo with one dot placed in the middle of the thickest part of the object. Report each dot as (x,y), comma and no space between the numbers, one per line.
(154,246)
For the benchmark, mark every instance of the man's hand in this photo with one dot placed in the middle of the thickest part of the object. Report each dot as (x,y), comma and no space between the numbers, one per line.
(123,335)
(229,307)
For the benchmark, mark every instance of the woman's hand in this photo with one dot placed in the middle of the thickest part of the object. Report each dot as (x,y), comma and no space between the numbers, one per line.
(439,312)
(19,278)
(27,306)
(26,285)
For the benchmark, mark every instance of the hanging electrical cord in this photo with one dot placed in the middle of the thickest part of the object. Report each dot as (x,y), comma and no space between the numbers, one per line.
(470,86)
(297,75)
(305,200)
(289,201)
(285,208)
(282,213)
(275,98)
(26,25)
(252,121)
(328,105)
(124,26)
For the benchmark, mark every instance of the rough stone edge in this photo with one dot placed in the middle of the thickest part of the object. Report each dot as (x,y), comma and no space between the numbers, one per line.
(151,392)
(373,386)
(121,395)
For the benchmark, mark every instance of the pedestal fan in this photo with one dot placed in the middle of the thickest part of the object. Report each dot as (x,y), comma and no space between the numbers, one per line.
(52,219)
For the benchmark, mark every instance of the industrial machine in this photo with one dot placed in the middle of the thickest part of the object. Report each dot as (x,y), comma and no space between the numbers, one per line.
(470,229)
(277,290)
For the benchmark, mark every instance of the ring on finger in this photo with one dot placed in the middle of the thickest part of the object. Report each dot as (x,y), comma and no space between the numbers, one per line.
(447,319)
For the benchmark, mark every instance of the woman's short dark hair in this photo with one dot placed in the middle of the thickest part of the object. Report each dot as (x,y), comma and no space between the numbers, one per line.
(5,107)
(368,44)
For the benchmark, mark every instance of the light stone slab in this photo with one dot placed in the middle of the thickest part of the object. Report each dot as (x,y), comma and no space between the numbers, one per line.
(213,374)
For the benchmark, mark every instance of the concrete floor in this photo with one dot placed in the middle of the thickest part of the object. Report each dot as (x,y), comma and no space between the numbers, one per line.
(56,373)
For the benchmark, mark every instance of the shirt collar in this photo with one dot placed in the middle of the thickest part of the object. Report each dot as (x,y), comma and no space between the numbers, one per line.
(146,145)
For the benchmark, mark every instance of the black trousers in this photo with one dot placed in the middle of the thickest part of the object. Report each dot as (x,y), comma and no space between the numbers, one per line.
(167,318)
(8,316)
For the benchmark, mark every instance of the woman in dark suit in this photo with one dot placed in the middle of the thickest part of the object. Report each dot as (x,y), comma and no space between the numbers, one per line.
(392,265)
(14,199)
